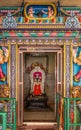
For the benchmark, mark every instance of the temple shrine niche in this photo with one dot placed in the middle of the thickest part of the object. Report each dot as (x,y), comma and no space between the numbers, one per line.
(39,84)
(40,58)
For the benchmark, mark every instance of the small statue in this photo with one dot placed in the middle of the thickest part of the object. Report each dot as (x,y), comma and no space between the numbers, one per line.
(76,93)
(37,84)
(49,13)
(31,12)
(4,92)
(37,77)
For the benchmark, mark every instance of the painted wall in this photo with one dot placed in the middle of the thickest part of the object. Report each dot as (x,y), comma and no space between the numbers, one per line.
(18,2)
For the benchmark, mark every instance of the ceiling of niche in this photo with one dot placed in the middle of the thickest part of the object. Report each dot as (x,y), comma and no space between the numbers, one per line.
(18,2)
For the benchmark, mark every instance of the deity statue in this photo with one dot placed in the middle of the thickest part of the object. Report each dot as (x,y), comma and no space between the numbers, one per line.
(37,76)
(37,96)
(30,12)
(49,13)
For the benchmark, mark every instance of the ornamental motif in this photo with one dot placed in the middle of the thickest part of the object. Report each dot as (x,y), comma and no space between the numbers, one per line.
(9,21)
(72,21)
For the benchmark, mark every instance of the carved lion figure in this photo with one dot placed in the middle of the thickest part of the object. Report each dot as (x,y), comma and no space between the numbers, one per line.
(4,91)
(76,92)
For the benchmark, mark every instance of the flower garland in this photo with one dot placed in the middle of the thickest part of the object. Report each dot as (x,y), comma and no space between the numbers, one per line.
(33,65)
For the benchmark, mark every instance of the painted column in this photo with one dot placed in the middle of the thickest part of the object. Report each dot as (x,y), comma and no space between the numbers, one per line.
(13,70)
(67,70)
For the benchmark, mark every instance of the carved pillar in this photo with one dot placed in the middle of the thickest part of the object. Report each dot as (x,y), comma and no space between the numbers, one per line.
(13,70)
(67,70)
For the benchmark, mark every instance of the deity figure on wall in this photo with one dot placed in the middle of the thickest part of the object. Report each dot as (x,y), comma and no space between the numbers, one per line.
(49,13)
(40,11)
(77,66)
(31,12)
(4,56)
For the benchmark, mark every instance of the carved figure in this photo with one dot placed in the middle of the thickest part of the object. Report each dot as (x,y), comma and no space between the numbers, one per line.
(76,92)
(4,55)
(77,60)
(4,91)
(30,12)
(50,12)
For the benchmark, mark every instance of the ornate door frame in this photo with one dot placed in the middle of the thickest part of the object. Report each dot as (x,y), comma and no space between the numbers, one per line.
(58,71)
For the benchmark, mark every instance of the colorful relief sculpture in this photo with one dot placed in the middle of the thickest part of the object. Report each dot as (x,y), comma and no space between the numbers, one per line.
(72,21)
(77,60)
(4,91)
(9,21)
(77,66)
(42,11)
(76,92)
(4,56)
(2,75)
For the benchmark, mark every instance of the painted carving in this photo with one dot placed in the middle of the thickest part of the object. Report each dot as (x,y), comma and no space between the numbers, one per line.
(42,11)
(77,66)
(49,12)
(4,91)
(31,12)
(9,21)
(76,92)
(4,56)
(2,75)
(72,21)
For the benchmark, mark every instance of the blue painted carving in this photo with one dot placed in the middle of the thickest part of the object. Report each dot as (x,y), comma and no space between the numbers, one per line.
(72,21)
(40,11)
(77,67)
(4,55)
(9,21)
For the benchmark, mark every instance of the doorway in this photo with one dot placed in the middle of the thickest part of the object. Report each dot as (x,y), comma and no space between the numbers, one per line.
(45,63)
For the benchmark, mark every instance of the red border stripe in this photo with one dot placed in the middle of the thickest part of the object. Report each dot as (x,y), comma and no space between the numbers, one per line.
(53,34)
(26,34)
(67,34)
(12,34)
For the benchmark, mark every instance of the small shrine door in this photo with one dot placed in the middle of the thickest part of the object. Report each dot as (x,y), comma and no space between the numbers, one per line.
(52,59)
